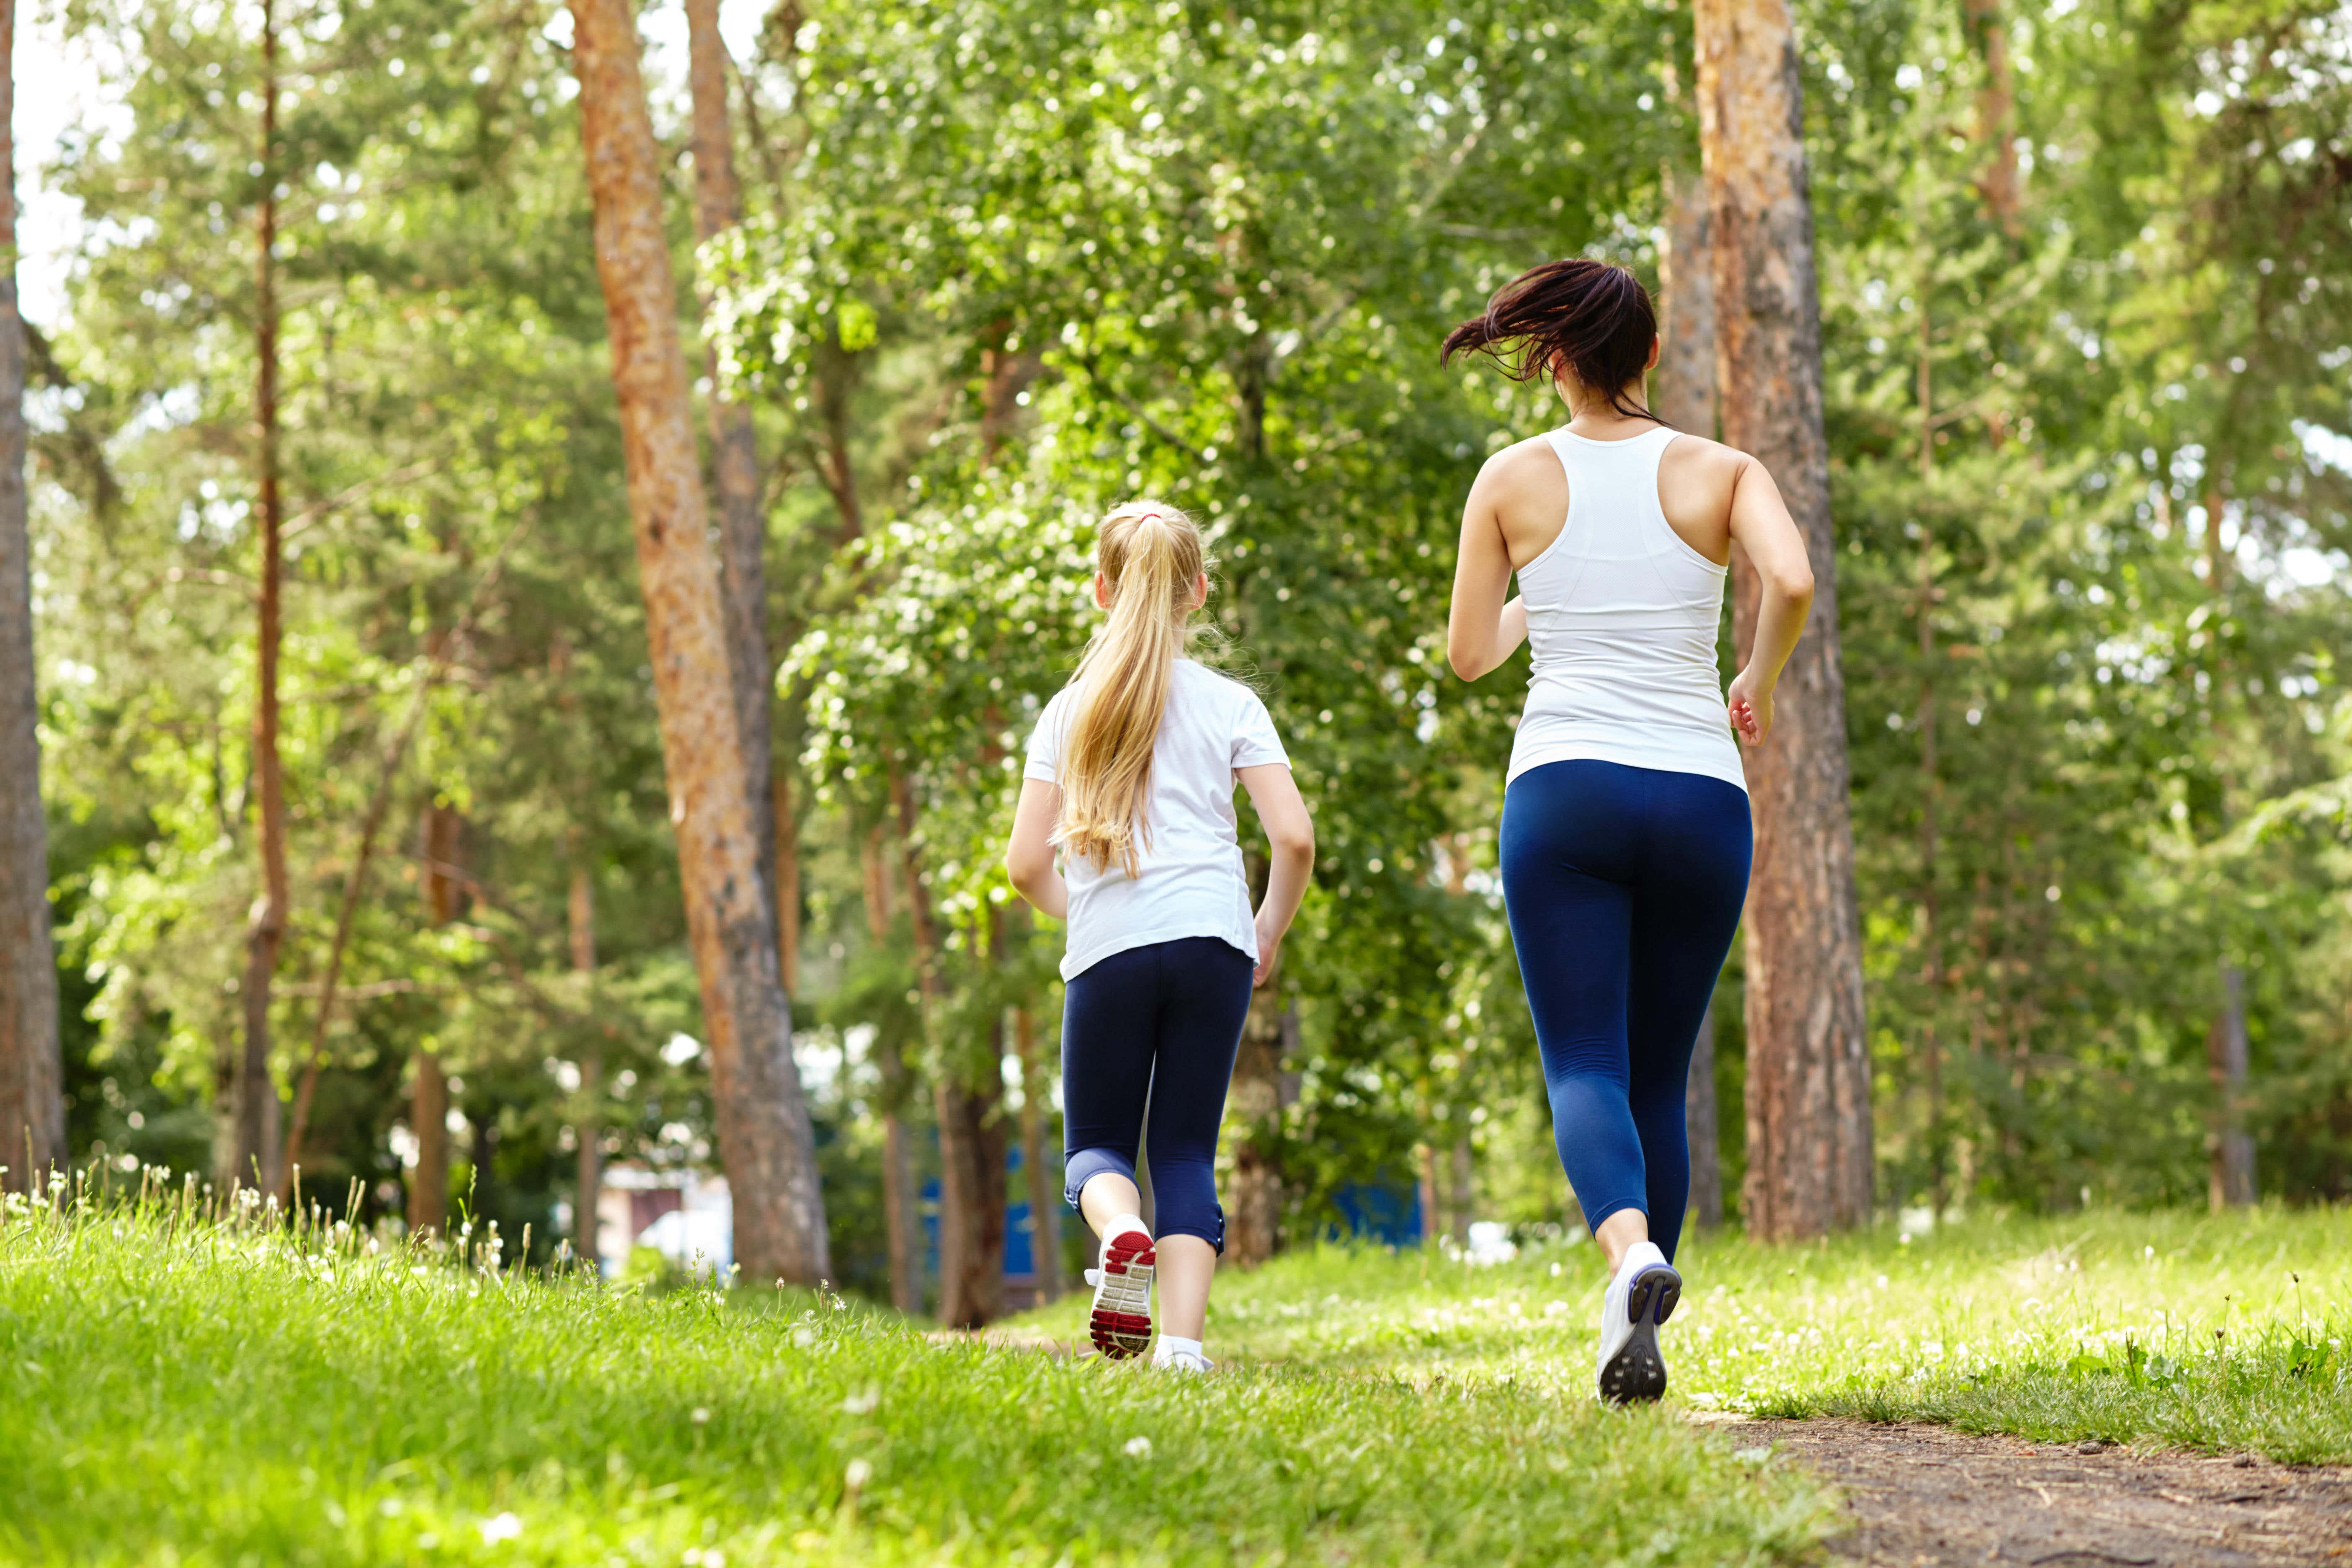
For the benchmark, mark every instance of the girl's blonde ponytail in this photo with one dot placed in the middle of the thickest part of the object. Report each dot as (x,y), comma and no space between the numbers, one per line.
(1150,556)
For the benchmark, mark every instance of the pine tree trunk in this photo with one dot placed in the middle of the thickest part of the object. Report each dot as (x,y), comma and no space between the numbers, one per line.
(1705,1136)
(1684,390)
(32,1108)
(2231,1184)
(1809,1131)
(972,1197)
(1045,1192)
(1996,126)
(889,1060)
(589,1128)
(428,1113)
(251,1152)
(1253,1106)
(735,461)
(764,1137)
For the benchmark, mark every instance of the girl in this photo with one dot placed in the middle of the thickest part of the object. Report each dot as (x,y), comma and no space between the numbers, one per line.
(1625,832)
(1130,777)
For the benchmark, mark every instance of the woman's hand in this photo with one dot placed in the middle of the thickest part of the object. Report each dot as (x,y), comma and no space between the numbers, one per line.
(1269,951)
(1751,706)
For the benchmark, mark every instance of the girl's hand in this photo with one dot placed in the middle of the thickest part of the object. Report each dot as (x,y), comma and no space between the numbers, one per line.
(1752,707)
(1269,953)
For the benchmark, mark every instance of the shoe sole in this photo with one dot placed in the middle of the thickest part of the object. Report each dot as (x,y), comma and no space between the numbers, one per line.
(1636,1374)
(1120,1323)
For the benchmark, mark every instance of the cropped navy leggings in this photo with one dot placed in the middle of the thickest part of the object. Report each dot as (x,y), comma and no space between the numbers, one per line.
(1624,886)
(1159,1023)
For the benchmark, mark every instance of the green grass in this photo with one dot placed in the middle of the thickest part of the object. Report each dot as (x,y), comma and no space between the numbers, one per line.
(186,1393)
(183,1393)
(2232,1334)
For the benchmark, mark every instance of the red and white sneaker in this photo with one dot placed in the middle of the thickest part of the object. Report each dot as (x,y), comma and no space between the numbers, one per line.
(1120,1323)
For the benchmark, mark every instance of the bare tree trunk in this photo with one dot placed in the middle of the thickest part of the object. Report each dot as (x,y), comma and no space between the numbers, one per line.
(897,1176)
(1931,936)
(787,883)
(1996,126)
(764,1137)
(1465,1189)
(589,1127)
(2231,1181)
(1254,1105)
(971,1195)
(734,454)
(1684,396)
(251,1154)
(1706,1134)
(1809,1131)
(32,1104)
(428,1113)
(1432,1223)
(1045,1192)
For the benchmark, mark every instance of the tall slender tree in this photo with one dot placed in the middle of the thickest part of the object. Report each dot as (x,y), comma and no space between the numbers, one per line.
(735,473)
(249,1154)
(764,1137)
(589,1126)
(1809,1103)
(32,1111)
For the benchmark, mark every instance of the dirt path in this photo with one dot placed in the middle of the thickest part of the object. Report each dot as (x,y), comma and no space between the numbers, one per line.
(1925,1495)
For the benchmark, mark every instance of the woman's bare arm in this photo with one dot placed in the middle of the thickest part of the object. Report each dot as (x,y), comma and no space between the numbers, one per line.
(1029,856)
(1290,836)
(1761,525)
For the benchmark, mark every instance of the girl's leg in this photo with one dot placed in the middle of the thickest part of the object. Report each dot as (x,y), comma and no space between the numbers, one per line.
(1108,1034)
(1566,847)
(1205,996)
(1694,884)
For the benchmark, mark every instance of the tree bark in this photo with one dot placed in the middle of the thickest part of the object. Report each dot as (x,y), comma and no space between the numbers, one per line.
(1706,1135)
(438,848)
(1809,1131)
(32,1104)
(787,883)
(1683,393)
(588,1128)
(889,1060)
(1996,114)
(971,1195)
(250,1155)
(1253,1200)
(735,461)
(764,1137)
(1045,1192)
(2231,1184)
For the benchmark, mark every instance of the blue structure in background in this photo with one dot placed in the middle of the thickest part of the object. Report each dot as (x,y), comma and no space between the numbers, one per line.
(1020,1234)
(1377,1212)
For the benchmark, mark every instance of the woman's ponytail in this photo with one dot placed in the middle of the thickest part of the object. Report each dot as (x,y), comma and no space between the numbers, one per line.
(1150,556)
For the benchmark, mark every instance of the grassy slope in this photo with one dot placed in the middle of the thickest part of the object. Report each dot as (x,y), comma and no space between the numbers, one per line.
(218,1398)
(2101,1325)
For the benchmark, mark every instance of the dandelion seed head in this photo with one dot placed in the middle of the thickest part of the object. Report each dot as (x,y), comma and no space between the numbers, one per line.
(1139,1447)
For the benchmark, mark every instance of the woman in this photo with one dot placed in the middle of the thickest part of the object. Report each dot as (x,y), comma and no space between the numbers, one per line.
(1625,833)
(1130,777)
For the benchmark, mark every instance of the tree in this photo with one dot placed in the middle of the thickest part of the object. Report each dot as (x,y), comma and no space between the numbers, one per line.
(1810,1163)
(764,1136)
(32,1111)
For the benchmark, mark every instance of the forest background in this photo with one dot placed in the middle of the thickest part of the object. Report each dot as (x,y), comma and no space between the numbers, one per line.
(2086,296)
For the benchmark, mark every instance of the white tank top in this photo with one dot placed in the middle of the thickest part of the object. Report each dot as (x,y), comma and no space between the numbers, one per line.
(1622,620)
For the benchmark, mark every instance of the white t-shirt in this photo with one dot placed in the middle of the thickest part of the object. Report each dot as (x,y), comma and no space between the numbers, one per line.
(1190,880)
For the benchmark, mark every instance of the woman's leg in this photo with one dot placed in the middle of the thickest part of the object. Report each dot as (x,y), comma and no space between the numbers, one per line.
(1685,907)
(1565,859)
(1205,996)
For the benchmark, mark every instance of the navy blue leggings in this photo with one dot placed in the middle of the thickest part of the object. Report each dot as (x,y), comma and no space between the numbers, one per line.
(1159,1022)
(1624,886)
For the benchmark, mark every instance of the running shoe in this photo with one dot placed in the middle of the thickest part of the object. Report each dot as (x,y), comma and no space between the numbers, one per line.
(1120,1323)
(1629,1368)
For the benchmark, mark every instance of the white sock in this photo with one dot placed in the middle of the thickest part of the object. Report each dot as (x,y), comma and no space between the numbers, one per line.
(1170,1347)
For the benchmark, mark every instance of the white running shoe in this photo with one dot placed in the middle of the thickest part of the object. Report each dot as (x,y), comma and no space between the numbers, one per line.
(1120,1323)
(1629,1368)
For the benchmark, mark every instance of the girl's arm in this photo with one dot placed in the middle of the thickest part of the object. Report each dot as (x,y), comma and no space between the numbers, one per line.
(1290,833)
(1482,628)
(1760,524)
(1029,858)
